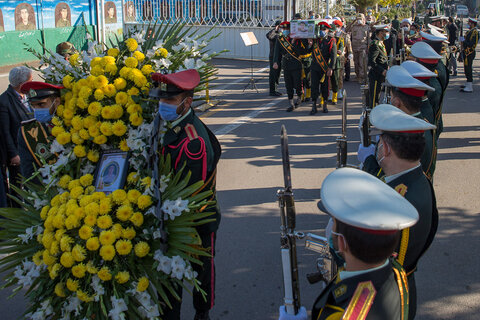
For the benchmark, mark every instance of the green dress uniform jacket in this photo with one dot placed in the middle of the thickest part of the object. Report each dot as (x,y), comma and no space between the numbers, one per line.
(427,110)
(34,140)
(469,45)
(444,79)
(192,143)
(340,58)
(415,241)
(378,61)
(429,156)
(380,294)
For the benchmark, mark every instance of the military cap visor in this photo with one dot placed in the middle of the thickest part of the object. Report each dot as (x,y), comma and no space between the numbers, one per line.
(170,85)
(37,90)
(417,71)
(380,27)
(388,118)
(423,51)
(363,201)
(400,78)
(472,20)
(433,37)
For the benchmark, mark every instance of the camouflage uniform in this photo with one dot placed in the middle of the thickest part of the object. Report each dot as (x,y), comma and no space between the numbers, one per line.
(360,36)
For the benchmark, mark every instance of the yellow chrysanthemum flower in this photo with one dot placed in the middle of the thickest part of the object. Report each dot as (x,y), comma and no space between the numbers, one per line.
(128,233)
(122,277)
(137,219)
(99,94)
(117,229)
(100,82)
(107,237)
(107,252)
(118,196)
(120,83)
(90,220)
(132,44)
(162,52)
(60,290)
(104,222)
(95,61)
(104,206)
(133,108)
(67,260)
(79,270)
(95,108)
(119,128)
(85,92)
(147,69)
(37,258)
(123,145)
(93,244)
(142,284)
(144,201)
(72,222)
(78,253)
(107,60)
(121,98)
(86,180)
(133,177)
(65,243)
(100,139)
(104,274)
(63,138)
(63,182)
(111,69)
(76,139)
(68,114)
(53,270)
(72,285)
(139,56)
(48,259)
(131,62)
(133,195)
(74,59)
(77,123)
(83,296)
(135,119)
(80,213)
(57,130)
(67,81)
(123,247)
(109,90)
(142,249)
(113,52)
(90,121)
(93,155)
(91,268)
(97,70)
(106,128)
(124,212)
(72,184)
(80,151)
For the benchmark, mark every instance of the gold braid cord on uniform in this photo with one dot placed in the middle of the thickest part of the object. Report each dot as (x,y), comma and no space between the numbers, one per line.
(402,284)
(288,47)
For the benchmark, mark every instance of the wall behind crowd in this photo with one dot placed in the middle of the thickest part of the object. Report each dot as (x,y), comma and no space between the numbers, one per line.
(25,23)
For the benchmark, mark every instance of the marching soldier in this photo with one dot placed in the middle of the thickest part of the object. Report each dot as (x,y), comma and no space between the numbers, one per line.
(378,61)
(427,57)
(469,43)
(189,141)
(287,53)
(324,52)
(398,153)
(371,285)
(35,136)
(274,75)
(360,36)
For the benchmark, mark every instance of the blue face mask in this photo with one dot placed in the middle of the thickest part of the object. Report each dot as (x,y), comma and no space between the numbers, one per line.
(322,34)
(286,33)
(42,115)
(387,36)
(168,111)
(412,32)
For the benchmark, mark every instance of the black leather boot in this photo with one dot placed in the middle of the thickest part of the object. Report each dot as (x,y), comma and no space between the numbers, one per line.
(314,107)
(325,110)
(292,106)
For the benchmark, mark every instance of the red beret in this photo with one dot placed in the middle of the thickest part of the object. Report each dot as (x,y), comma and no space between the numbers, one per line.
(184,80)
(325,24)
(338,22)
(285,24)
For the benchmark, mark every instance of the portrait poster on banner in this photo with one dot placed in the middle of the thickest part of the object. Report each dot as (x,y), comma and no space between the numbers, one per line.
(111,171)
(302,29)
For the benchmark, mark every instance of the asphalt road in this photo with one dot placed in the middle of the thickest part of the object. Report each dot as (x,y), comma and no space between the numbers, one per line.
(249,277)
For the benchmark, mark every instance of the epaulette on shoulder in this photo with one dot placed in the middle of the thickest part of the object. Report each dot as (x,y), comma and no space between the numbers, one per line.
(361,301)
(191,132)
(28,121)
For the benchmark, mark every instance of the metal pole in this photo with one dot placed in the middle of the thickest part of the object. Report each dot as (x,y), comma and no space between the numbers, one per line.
(294,8)
(123,16)
(328,8)
(102,19)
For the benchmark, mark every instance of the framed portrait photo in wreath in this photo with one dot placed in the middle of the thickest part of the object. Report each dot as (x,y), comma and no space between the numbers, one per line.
(111,171)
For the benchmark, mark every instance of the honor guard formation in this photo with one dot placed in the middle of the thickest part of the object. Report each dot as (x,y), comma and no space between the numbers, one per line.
(383,214)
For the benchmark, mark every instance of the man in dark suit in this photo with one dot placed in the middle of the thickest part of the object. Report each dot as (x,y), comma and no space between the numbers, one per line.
(14,109)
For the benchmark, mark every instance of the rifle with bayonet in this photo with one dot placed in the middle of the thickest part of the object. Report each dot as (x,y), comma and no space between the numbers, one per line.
(288,235)
(364,126)
(342,140)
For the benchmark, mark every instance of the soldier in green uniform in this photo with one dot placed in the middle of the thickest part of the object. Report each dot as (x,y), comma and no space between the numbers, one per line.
(288,52)
(34,137)
(469,43)
(339,68)
(65,49)
(189,141)
(398,154)
(436,41)
(378,62)
(324,59)
(427,57)
(370,285)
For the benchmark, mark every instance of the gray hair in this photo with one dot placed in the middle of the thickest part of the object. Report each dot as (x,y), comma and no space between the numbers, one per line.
(19,75)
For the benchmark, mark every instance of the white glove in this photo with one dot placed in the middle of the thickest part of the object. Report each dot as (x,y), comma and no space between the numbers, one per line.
(350,56)
(461,39)
(364,152)
(301,315)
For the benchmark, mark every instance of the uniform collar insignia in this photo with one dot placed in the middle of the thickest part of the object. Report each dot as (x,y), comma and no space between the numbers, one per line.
(341,290)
